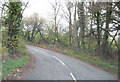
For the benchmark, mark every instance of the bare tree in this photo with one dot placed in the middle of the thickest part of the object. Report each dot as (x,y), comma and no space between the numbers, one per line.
(75,26)
(68,18)
(106,34)
(56,9)
(81,16)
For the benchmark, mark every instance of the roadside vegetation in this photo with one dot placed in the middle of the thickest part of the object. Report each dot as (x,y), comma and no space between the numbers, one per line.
(14,53)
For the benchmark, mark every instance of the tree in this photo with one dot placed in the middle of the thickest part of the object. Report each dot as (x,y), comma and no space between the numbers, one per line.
(106,34)
(95,9)
(13,22)
(27,27)
(81,17)
(69,6)
(34,25)
(76,40)
(56,10)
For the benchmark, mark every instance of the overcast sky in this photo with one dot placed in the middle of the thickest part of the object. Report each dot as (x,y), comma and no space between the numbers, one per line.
(42,7)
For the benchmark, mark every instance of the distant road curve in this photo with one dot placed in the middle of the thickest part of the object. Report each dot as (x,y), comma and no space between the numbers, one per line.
(50,65)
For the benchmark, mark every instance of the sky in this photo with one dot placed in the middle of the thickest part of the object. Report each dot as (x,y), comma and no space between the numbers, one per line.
(42,7)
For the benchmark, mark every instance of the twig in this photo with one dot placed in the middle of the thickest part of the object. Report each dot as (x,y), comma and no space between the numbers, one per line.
(25,7)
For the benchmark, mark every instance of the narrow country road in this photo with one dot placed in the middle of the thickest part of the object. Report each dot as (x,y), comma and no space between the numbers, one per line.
(51,65)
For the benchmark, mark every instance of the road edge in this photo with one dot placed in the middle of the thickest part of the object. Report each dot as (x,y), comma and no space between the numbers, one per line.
(28,67)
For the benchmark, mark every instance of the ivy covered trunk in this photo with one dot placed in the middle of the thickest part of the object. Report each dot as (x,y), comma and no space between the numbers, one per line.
(13,24)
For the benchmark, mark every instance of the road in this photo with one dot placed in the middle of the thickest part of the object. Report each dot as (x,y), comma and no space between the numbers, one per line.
(50,65)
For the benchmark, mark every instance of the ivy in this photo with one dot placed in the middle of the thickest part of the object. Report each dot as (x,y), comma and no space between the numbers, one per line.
(13,22)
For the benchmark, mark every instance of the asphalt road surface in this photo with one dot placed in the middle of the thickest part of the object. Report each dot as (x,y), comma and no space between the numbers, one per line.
(50,65)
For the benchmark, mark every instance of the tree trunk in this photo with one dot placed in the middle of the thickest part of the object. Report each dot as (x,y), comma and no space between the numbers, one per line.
(82,23)
(105,48)
(70,28)
(13,23)
(98,50)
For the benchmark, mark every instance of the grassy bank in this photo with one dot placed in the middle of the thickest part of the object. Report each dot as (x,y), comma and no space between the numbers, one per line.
(104,64)
(11,66)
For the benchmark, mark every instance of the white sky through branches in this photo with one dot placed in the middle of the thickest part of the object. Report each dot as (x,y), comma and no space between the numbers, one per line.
(42,7)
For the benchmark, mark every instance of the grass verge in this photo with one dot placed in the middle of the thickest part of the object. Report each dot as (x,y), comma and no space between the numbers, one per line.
(11,66)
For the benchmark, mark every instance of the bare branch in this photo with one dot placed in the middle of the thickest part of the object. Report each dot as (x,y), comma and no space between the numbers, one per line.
(25,7)
(113,39)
